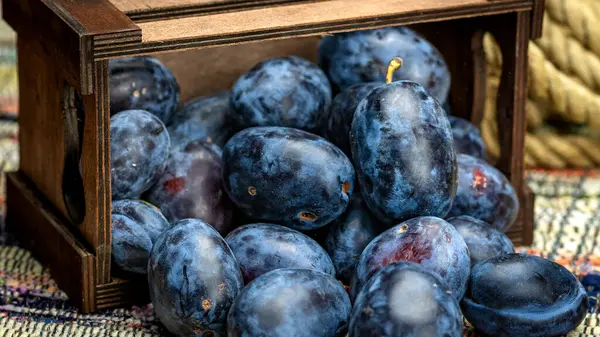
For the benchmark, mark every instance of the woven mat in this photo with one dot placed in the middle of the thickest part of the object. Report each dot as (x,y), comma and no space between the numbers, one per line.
(567,231)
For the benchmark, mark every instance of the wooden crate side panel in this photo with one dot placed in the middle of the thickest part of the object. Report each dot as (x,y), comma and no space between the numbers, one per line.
(512,32)
(65,148)
(47,35)
(41,135)
(98,169)
(40,231)
(67,31)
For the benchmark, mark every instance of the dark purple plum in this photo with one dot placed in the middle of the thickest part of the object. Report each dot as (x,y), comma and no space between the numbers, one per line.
(193,279)
(348,236)
(483,240)
(484,193)
(290,302)
(522,295)
(342,113)
(467,138)
(206,118)
(403,153)
(428,241)
(135,227)
(191,186)
(287,176)
(404,299)
(143,83)
(261,247)
(284,91)
(363,56)
(139,149)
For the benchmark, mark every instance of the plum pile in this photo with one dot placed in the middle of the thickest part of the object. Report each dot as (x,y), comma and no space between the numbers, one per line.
(329,200)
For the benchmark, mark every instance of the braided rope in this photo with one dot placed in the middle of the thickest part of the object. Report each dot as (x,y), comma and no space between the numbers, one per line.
(564,83)
(581,17)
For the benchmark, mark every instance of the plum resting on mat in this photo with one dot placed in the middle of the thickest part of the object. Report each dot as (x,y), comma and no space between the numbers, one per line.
(524,295)
(139,148)
(363,56)
(484,193)
(135,227)
(285,91)
(428,241)
(144,83)
(191,186)
(287,176)
(193,279)
(483,240)
(260,248)
(290,302)
(403,153)
(404,299)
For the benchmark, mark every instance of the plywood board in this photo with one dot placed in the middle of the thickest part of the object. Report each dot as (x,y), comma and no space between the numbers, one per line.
(303,19)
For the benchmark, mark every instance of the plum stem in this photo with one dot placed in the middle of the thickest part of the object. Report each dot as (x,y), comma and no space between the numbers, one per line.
(394,65)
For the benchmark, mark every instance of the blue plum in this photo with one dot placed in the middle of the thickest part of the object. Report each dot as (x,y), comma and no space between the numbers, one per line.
(404,299)
(363,56)
(191,186)
(349,235)
(483,240)
(522,295)
(206,118)
(484,193)
(261,247)
(193,279)
(287,176)
(284,91)
(143,83)
(467,138)
(290,302)
(139,148)
(428,241)
(342,112)
(403,153)
(135,227)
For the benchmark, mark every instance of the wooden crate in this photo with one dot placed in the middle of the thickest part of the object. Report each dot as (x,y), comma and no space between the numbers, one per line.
(59,202)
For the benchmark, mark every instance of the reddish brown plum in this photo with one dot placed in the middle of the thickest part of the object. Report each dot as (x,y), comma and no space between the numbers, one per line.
(429,241)
(191,186)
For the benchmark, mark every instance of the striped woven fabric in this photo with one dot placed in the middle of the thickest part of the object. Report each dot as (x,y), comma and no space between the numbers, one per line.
(567,231)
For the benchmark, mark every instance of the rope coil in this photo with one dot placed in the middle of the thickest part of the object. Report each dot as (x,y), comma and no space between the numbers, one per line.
(564,84)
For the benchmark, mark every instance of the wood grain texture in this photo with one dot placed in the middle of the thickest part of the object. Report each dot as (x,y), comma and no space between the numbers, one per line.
(46,236)
(41,138)
(208,71)
(99,171)
(56,39)
(151,10)
(537,18)
(304,19)
(121,291)
(512,32)
(67,30)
